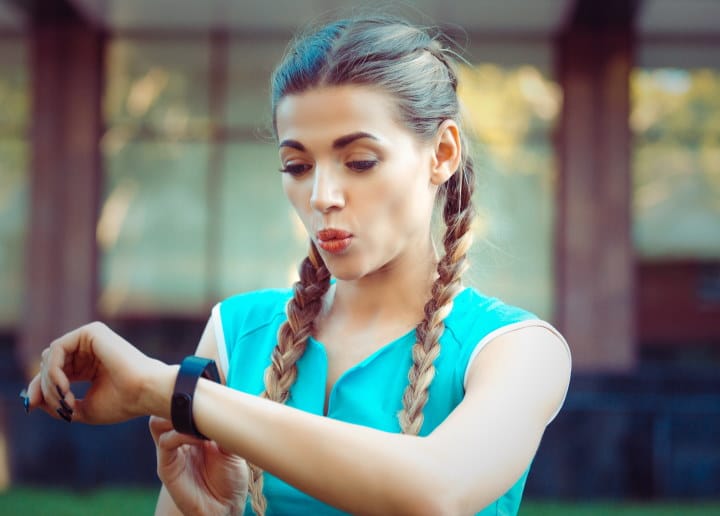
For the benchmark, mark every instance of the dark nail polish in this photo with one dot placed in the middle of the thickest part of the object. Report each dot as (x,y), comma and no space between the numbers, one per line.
(66,407)
(67,417)
(60,393)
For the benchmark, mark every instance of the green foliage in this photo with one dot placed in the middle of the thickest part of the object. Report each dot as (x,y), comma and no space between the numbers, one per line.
(676,125)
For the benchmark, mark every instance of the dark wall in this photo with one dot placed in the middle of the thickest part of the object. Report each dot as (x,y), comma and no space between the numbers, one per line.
(653,434)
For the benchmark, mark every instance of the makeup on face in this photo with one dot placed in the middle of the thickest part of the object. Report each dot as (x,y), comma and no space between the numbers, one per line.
(334,241)
(358,180)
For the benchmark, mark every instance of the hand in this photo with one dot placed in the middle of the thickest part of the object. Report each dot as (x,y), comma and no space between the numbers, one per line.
(200,477)
(124,383)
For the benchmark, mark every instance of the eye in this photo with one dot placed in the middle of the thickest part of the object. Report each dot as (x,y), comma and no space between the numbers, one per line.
(361,165)
(296,169)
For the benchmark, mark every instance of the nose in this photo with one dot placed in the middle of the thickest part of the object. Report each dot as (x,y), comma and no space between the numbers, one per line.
(327,193)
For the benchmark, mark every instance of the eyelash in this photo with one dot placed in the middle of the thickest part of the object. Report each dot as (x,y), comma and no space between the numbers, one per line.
(295,170)
(356,166)
(361,165)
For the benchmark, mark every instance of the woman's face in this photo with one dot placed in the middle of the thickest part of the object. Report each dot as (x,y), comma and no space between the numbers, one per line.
(360,182)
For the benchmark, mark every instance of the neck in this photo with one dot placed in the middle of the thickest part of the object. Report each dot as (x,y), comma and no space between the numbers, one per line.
(397,292)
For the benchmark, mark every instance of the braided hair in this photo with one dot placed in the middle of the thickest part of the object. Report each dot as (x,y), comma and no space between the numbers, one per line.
(418,71)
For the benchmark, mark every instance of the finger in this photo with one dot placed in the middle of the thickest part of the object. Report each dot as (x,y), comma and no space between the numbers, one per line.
(172,440)
(57,360)
(55,396)
(34,393)
(59,352)
(70,399)
(36,399)
(50,391)
(159,425)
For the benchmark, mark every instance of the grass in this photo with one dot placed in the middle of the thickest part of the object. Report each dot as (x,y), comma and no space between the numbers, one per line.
(53,502)
(139,502)
(531,508)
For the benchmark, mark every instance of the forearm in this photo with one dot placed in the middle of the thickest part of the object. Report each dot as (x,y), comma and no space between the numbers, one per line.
(460,468)
(354,468)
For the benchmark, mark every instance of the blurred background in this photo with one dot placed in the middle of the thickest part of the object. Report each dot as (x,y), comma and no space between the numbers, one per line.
(138,186)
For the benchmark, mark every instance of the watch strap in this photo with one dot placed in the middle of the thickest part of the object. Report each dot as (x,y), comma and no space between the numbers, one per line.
(191,370)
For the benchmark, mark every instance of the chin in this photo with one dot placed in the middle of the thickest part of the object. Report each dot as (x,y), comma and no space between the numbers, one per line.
(346,270)
(345,274)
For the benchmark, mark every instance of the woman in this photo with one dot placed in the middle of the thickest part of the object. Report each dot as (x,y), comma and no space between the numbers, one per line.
(390,389)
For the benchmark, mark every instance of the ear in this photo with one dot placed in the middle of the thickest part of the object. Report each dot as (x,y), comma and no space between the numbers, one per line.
(447,152)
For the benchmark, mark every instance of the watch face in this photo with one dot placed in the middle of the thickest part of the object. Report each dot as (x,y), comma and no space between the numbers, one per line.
(181,401)
(181,413)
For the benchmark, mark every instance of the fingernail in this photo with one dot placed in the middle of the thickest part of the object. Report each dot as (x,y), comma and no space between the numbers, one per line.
(26,400)
(64,415)
(66,407)
(60,393)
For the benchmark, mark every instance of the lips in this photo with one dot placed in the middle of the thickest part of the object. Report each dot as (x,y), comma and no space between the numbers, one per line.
(332,234)
(334,240)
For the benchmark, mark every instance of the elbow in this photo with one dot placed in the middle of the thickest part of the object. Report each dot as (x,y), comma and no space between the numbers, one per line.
(436,498)
(433,504)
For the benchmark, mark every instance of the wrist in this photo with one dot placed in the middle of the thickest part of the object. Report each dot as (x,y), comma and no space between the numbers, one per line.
(157,396)
(192,369)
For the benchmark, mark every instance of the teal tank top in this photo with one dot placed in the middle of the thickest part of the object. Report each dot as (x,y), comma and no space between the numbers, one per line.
(370,392)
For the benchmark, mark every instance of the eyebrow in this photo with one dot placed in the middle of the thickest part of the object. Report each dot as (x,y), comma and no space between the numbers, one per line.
(337,144)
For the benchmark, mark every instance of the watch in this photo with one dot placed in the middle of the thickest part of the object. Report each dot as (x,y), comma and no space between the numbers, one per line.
(181,413)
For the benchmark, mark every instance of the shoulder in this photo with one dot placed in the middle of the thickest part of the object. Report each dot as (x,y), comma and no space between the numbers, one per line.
(470,301)
(265,298)
(513,344)
(532,361)
(243,316)
(476,316)
(245,312)
(517,335)
(257,305)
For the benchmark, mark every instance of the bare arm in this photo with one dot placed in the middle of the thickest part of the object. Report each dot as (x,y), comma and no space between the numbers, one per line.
(516,383)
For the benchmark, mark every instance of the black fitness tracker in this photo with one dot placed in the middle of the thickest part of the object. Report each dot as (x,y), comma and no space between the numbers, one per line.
(191,369)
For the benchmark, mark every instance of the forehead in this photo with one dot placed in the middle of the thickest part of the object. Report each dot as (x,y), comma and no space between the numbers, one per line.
(330,111)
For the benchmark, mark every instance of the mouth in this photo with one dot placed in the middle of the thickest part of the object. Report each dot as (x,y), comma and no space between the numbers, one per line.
(334,241)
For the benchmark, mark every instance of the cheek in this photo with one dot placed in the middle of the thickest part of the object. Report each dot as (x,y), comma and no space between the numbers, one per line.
(407,196)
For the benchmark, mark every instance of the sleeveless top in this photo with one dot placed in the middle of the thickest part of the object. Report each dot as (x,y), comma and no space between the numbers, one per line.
(370,392)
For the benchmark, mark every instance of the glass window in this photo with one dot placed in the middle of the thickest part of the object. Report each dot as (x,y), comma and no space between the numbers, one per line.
(158,87)
(251,63)
(510,112)
(14,96)
(152,229)
(676,123)
(190,214)
(262,240)
(152,226)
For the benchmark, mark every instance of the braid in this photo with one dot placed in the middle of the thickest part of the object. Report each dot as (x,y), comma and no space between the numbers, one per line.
(280,375)
(458,214)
